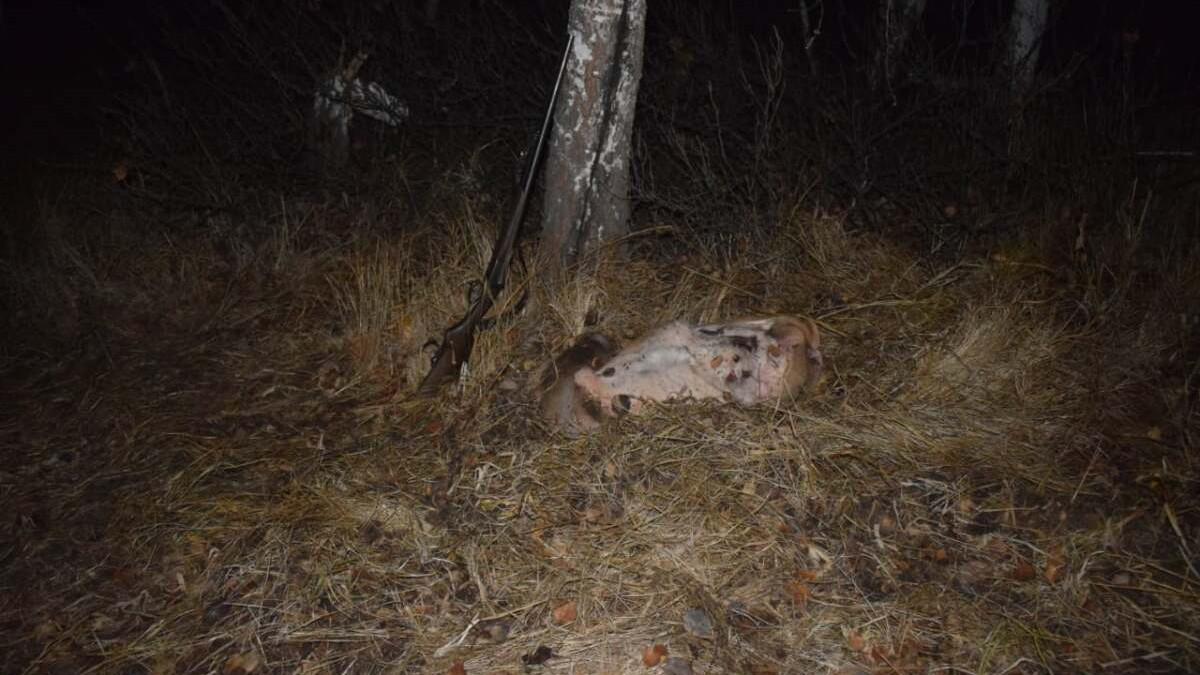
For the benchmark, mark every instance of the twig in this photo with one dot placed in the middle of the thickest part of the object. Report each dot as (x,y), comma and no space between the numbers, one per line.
(454,643)
(1139,657)
(726,284)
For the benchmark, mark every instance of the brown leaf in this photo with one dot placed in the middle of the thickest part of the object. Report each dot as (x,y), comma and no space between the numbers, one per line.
(1054,569)
(652,656)
(855,641)
(565,613)
(806,575)
(1023,572)
(878,655)
(457,668)
(716,362)
(125,576)
(773,350)
(799,592)
(241,664)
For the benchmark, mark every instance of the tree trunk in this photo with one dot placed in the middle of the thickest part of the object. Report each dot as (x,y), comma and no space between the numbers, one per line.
(898,19)
(810,34)
(587,168)
(1026,27)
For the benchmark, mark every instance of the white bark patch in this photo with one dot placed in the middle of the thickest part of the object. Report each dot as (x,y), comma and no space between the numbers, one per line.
(898,20)
(587,169)
(1026,28)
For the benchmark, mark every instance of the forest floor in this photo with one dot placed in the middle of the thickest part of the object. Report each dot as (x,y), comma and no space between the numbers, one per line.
(221,468)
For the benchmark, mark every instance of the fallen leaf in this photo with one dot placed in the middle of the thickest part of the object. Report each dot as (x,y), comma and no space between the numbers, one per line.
(241,664)
(773,350)
(652,656)
(1154,433)
(433,428)
(611,470)
(457,669)
(799,592)
(856,642)
(716,362)
(698,623)
(125,576)
(941,556)
(878,655)
(565,613)
(1054,569)
(1023,572)
(121,171)
(806,575)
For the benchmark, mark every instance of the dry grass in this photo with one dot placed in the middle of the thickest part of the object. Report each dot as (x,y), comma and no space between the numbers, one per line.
(228,474)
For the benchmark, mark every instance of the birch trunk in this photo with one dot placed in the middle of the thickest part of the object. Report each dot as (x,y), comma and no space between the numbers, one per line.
(1026,27)
(810,34)
(898,19)
(587,168)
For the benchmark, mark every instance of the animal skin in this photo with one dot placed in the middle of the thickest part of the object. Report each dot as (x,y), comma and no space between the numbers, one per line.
(562,404)
(746,361)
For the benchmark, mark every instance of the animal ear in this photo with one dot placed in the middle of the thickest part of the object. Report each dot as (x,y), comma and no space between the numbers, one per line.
(814,336)
(796,333)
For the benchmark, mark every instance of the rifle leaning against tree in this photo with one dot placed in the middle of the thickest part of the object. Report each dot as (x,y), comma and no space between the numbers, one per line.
(459,339)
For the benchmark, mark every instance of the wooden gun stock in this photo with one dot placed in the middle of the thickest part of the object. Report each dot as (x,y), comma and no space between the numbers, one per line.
(459,339)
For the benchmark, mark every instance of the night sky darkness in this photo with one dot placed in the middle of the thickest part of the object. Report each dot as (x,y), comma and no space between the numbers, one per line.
(66,61)
(69,50)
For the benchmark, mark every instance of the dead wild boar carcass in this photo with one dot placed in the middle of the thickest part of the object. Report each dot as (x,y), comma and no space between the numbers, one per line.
(747,361)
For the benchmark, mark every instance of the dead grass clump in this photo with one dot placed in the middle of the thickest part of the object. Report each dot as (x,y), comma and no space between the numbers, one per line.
(984,482)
